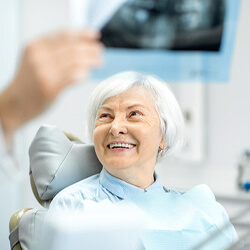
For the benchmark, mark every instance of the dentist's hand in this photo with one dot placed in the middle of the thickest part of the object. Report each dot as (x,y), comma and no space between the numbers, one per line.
(48,65)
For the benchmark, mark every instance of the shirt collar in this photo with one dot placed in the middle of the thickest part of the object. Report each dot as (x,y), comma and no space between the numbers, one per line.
(125,190)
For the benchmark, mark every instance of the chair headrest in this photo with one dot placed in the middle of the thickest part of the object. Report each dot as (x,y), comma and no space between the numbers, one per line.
(56,162)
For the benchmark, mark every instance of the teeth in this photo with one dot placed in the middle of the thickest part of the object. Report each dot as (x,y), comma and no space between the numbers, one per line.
(121,145)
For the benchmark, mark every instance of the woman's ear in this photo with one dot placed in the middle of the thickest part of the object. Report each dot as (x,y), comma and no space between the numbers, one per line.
(162,145)
(162,148)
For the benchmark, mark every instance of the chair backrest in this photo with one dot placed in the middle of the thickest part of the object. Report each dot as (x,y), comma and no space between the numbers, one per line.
(57,160)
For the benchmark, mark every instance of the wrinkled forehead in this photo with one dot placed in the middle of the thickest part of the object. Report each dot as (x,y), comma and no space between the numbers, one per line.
(136,95)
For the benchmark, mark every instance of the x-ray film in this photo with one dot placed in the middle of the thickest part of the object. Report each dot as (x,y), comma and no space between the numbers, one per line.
(178,40)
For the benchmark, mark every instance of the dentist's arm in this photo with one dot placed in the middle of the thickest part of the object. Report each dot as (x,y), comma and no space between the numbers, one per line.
(48,65)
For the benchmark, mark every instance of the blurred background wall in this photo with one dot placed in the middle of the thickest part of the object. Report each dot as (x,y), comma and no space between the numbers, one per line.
(224,108)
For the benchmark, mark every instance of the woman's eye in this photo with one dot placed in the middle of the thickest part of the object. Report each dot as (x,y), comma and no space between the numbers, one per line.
(104,116)
(135,113)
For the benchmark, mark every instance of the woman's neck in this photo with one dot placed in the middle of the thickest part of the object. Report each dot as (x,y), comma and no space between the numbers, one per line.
(140,179)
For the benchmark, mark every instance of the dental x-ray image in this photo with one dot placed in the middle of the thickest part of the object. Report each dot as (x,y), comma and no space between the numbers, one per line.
(166,24)
(178,40)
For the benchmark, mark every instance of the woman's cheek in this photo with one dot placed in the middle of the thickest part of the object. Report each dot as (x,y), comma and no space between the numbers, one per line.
(100,132)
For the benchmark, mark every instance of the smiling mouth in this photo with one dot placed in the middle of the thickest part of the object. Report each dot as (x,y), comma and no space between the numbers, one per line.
(121,146)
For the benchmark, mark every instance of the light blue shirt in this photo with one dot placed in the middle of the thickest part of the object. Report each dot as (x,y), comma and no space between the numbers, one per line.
(102,186)
(183,219)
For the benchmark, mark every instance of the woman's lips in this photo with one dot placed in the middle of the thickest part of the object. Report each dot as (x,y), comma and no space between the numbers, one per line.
(120,146)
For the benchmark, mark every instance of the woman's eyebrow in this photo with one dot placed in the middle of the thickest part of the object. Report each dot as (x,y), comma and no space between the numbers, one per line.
(136,105)
(105,107)
(129,106)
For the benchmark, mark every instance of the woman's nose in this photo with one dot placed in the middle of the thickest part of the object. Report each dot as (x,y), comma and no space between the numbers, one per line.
(118,127)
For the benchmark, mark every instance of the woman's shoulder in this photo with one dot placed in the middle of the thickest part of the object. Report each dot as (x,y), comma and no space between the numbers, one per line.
(200,196)
(201,191)
(202,199)
(72,195)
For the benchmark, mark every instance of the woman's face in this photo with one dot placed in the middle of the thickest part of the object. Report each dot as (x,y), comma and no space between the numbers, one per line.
(127,131)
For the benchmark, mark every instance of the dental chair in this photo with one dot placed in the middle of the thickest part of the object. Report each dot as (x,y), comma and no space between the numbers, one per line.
(57,160)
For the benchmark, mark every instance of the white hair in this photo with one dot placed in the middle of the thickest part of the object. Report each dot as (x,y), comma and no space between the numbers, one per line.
(171,118)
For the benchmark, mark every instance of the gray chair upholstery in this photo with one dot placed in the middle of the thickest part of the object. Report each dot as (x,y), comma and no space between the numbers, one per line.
(57,160)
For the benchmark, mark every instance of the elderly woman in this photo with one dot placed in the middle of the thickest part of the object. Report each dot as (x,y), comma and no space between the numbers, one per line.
(133,119)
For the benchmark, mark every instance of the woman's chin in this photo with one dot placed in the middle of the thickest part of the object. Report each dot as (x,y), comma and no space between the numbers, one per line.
(117,165)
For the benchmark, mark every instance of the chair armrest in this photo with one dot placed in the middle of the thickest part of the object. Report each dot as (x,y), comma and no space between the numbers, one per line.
(26,228)
(13,228)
